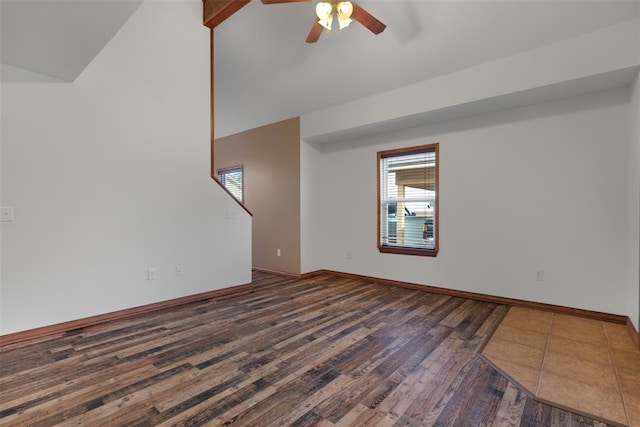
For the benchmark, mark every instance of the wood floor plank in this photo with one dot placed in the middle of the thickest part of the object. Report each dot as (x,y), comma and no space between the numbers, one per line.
(325,351)
(511,407)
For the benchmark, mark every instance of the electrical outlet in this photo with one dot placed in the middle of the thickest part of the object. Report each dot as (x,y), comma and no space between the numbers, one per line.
(278,252)
(539,276)
(232,214)
(152,274)
(6,214)
(179,270)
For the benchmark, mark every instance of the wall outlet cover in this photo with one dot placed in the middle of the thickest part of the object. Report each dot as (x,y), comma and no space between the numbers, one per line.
(6,214)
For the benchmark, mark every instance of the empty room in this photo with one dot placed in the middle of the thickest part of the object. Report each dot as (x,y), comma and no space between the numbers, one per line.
(291,212)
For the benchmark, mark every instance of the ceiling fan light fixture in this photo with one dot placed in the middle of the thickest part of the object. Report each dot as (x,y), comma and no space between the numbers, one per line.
(344,10)
(324,11)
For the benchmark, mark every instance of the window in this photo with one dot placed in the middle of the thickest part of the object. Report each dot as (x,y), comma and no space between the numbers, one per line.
(408,200)
(233,180)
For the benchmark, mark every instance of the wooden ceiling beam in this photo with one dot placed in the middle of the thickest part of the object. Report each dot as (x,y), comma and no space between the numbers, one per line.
(217,11)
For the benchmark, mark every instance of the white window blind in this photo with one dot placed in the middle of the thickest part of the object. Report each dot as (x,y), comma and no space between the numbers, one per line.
(408,198)
(233,180)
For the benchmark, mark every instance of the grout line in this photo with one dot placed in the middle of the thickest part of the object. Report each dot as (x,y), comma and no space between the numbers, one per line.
(615,370)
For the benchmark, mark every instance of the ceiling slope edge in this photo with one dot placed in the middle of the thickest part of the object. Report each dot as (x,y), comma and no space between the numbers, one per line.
(58,39)
(604,59)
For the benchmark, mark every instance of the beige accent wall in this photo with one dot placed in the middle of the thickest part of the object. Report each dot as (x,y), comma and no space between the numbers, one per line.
(270,156)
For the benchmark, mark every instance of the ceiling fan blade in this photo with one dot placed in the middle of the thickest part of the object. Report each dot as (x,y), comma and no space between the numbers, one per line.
(315,33)
(367,19)
(284,1)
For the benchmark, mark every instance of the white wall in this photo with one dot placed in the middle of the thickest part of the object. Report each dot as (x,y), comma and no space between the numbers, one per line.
(311,208)
(110,176)
(542,187)
(633,300)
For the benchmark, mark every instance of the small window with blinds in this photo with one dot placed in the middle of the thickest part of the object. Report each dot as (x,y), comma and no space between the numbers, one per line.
(408,200)
(233,180)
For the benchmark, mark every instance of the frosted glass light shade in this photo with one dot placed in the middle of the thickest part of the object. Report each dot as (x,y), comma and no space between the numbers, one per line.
(323,10)
(344,11)
(325,16)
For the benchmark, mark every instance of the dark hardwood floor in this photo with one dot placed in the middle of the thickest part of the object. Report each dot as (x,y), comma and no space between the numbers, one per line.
(321,351)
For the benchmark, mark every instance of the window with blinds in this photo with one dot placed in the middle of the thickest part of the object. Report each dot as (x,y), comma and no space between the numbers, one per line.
(233,180)
(408,200)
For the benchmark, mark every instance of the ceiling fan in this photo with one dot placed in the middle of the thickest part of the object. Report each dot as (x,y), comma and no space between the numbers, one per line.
(346,11)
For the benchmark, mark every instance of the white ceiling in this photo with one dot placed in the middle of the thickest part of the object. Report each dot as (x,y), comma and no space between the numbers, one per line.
(265,71)
(57,39)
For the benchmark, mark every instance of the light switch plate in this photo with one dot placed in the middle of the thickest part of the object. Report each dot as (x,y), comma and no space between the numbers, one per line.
(6,214)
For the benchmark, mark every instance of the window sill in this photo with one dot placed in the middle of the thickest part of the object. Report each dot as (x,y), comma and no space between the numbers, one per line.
(407,251)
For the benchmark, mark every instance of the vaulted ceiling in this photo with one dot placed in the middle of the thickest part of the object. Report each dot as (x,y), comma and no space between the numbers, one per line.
(264,70)
(57,39)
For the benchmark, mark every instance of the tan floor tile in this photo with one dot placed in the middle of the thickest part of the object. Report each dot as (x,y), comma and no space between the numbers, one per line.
(529,320)
(521,336)
(592,352)
(631,395)
(523,355)
(578,329)
(619,337)
(591,399)
(530,313)
(627,364)
(579,370)
(585,371)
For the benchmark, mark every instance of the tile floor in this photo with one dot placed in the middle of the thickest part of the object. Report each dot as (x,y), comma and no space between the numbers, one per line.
(586,366)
